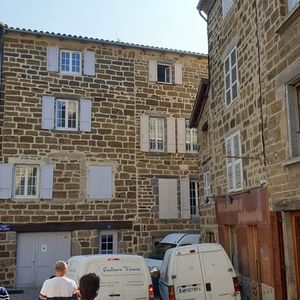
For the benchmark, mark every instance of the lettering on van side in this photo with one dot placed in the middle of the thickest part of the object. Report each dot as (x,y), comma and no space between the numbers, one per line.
(119,269)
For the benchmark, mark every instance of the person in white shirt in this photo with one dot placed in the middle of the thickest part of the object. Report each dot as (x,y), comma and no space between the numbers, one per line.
(59,287)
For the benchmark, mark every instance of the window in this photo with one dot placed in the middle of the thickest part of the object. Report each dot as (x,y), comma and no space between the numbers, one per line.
(164,73)
(108,242)
(66,114)
(231,77)
(194,198)
(70,61)
(292,4)
(26,181)
(156,134)
(190,138)
(234,162)
(207,190)
(293,103)
(226,5)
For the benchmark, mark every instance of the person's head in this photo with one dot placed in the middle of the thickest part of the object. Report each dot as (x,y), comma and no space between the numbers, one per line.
(89,285)
(60,268)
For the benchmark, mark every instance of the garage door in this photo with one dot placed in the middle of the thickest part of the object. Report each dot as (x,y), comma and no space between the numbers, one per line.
(36,256)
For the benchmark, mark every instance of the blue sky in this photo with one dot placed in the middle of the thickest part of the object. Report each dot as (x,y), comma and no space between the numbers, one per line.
(164,23)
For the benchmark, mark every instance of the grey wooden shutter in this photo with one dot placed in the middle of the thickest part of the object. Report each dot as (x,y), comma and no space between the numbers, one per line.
(89,63)
(229,164)
(293,121)
(226,5)
(85,115)
(167,198)
(46,186)
(292,4)
(52,59)
(144,133)
(152,70)
(48,112)
(238,166)
(207,189)
(6,178)
(185,198)
(171,136)
(100,182)
(181,135)
(178,73)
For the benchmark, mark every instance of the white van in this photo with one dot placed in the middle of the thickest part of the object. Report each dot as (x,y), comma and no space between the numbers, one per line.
(123,277)
(198,272)
(172,240)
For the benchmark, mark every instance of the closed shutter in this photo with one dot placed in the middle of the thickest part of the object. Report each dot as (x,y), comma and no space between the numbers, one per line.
(181,135)
(167,198)
(144,132)
(185,198)
(85,115)
(293,120)
(6,178)
(152,70)
(171,135)
(100,182)
(52,59)
(178,73)
(229,162)
(89,63)
(46,187)
(238,172)
(48,112)
(226,5)
(207,190)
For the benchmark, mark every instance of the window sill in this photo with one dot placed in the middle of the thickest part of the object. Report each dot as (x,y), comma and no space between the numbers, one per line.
(164,82)
(289,19)
(71,73)
(291,161)
(66,130)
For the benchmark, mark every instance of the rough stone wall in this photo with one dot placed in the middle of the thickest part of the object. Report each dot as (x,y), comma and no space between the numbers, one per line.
(120,93)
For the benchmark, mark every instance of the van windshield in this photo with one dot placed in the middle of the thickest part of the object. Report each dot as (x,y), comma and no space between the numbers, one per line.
(160,250)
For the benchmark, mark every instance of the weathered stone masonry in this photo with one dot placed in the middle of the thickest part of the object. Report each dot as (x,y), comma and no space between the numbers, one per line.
(120,93)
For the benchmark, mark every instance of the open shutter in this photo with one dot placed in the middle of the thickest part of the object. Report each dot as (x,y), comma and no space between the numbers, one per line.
(207,191)
(85,115)
(167,198)
(293,120)
(226,5)
(292,4)
(152,70)
(185,198)
(171,138)
(178,73)
(52,59)
(100,182)
(89,62)
(144,132)
(48,112)
(238,171)
(181,135)
(6,178)
(46,187)
(229,162)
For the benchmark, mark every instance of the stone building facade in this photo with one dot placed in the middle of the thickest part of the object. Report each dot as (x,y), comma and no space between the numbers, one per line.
(96,151)
(249,121)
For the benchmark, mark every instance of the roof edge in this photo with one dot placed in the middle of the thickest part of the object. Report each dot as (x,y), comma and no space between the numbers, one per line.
(200,101)
(101,41)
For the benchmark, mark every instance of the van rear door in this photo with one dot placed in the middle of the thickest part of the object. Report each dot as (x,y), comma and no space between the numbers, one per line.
(217,274)
(187,275)
(136,279)
(110,270)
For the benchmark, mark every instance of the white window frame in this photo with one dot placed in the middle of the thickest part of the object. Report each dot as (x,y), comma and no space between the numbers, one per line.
(70,62)
(232,162)
(170,73)
(229,73)
(114,234)
(66,128)
(292,4)
(157,134)
(26,196)
(226,8)
(194,209)
(190,143)
(207,187)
